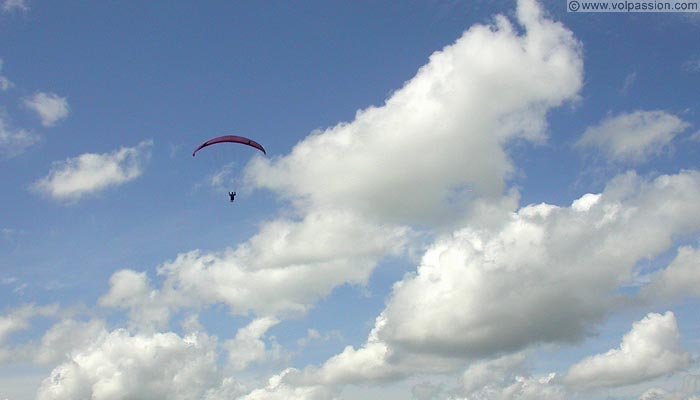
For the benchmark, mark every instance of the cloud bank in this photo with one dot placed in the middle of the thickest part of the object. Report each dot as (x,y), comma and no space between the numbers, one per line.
(548,275)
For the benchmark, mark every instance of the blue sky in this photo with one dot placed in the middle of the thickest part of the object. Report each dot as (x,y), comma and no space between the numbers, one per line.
(460,200)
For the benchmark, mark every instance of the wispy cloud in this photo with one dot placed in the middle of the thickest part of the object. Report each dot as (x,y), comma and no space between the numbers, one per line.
(91,173)
(223,177)
(695,137)
(14,142)
(50,107)
(692,65)
(627,84)
(633,137)
(15,5)
(5,83)
(18,320)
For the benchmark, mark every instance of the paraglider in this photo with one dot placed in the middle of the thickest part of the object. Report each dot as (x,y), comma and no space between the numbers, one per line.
(231,139)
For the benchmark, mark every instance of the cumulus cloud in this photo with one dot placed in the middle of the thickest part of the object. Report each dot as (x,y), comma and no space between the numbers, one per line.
(65,338)
(368,364)
(122,365)
(633,137)
(548,275)
(280,271)
(414,159)
(14,142)
(50,107)
(131,290)
(542,273)
(651,349)
(248,347)
(278,389)
(439,140)
(681,278)
(480,375)
(91,173)
(506,378)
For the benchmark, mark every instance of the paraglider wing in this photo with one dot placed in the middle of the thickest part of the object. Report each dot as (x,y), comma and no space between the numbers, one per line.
(230,139)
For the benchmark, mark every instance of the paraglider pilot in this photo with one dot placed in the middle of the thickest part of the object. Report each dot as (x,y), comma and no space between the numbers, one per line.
(232,195)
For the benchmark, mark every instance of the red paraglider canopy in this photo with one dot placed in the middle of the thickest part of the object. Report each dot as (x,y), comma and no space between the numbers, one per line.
(230,139)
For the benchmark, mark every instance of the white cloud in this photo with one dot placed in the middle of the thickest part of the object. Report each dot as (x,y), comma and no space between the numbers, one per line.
(651,349)
(278,389)
(228,389)
(91,173)
(248,347)
(634,137)
(14,142)
(482,97)
(681,278)
(50,107)
(15,5)
(480,375)
(368,364)
(539,274)
(519,387)
(547,276)
(65,338)
(438,141)
(121,365)
(18,320)
(398,165)
(132,291)
(281,271)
